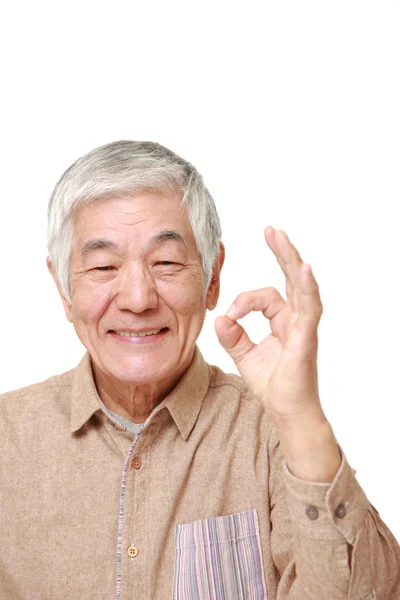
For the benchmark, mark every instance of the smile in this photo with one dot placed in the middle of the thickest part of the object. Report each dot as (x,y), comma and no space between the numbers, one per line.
(137,333)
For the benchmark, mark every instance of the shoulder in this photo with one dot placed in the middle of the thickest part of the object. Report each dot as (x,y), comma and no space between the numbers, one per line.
(230,393)
(234,415)
(227,381)
(230,384)
(37,396)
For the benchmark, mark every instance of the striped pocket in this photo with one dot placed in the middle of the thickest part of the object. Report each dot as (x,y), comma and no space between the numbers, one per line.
(219,559)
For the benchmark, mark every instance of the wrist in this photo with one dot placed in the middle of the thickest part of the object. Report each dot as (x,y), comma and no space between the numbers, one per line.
(310,449)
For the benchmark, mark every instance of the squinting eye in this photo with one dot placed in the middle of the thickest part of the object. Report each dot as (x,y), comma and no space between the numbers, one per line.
(108,268)
(165,262)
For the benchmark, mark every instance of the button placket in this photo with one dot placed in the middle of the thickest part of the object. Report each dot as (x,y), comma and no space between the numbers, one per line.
(125,516)
(132,515)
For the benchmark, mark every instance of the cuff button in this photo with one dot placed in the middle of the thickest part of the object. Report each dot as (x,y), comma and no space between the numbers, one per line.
(312,512)
(340,511)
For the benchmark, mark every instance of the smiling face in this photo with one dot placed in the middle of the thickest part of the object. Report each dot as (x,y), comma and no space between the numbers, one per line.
(138,301)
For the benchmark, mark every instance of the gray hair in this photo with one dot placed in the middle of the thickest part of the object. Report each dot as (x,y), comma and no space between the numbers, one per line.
(129,167)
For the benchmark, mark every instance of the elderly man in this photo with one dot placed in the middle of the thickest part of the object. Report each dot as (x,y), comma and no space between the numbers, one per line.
(144,473)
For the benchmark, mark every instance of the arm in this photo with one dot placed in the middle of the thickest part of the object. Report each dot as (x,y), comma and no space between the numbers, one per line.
(328,541)
(341,554)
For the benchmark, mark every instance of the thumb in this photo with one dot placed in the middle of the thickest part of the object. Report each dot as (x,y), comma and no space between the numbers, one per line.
(233,338)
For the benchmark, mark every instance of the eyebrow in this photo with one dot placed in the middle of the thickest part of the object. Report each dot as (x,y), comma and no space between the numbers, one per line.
(166,235)
(97,244)
(101,244)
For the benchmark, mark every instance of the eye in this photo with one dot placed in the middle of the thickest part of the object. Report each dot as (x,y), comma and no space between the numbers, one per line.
(165,262)
(107,268)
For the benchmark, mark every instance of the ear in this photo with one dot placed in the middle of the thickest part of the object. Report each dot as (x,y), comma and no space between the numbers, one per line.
(66,304)
(214,287)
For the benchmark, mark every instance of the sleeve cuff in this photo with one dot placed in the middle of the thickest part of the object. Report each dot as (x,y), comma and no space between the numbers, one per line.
(327,511)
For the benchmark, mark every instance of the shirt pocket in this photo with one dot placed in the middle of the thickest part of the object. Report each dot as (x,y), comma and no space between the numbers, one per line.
(219,559)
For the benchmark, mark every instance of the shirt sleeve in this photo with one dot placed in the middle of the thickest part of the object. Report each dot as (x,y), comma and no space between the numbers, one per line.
(327,540)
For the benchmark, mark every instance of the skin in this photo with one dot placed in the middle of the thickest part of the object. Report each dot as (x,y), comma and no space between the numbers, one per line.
(142,284)
(141,291)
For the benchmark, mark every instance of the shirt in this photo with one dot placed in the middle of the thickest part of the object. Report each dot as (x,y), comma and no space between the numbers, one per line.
(200,505)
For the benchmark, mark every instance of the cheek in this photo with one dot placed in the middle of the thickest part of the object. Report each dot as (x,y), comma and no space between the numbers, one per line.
(184,298)
(89,304)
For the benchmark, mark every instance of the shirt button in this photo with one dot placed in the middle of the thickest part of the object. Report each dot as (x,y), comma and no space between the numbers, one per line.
(136,463)
(340,511)
(132,551)
(312,512)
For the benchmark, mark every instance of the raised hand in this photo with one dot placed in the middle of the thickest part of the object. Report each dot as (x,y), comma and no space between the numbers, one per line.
(281,371)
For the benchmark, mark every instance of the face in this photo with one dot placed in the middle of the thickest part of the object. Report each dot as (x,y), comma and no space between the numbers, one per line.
(138,298)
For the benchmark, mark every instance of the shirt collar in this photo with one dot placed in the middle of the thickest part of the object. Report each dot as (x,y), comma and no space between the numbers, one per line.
(186,399)
(84,402)
(183,403)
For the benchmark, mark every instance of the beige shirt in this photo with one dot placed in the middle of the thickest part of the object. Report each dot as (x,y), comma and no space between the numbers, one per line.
(200,505)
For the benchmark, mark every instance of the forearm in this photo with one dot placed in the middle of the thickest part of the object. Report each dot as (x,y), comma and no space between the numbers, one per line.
(310,449)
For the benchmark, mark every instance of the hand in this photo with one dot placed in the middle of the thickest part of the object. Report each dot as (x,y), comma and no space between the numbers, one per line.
(281,371)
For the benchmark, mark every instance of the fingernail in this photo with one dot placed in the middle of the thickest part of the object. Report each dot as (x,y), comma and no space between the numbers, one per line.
(231,311)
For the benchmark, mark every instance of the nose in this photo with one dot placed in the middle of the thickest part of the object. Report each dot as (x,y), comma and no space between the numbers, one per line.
(137,291)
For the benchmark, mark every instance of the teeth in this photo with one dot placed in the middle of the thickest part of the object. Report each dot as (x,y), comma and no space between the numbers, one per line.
(135,334)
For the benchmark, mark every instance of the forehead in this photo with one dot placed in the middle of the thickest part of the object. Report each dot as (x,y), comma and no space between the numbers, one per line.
(132,218)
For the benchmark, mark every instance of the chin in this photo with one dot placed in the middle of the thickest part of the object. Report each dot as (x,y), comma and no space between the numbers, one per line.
(143,370)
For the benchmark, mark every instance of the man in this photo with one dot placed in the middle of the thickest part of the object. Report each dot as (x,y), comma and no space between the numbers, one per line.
(147,474)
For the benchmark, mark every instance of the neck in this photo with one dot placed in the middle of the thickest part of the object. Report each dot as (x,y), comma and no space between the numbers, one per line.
(131,401)
(135,403)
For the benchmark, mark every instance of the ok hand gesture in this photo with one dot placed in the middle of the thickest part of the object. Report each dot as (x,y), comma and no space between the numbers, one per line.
(281,371)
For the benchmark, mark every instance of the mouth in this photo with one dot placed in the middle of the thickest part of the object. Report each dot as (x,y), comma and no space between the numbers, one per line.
(128,333)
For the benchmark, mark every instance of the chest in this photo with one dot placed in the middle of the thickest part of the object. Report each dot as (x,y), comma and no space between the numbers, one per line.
(191,519)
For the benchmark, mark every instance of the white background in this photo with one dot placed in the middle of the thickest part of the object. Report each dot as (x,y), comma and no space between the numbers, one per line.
(290,110)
